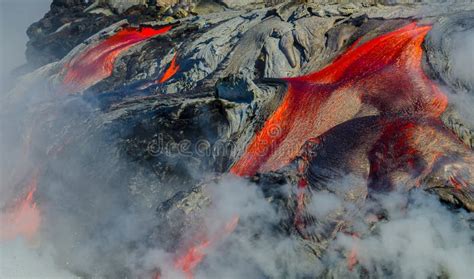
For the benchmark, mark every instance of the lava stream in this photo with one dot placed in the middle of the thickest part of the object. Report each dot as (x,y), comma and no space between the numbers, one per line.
(195,254)
(384,73)
(172,69)
(97,62)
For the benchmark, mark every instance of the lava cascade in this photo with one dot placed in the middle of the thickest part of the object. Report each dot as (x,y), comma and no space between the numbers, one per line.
(384,73)
(97,62)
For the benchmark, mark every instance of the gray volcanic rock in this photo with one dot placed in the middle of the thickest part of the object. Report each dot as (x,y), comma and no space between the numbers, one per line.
(450,64)
(65,20)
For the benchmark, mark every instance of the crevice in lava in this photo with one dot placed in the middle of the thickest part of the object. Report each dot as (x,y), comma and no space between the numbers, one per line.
(172,69)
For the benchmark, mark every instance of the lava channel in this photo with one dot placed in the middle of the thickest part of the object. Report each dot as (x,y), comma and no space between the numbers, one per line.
(97,62)
(382,75)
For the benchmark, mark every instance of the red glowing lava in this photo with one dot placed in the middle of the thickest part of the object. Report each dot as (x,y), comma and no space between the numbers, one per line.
(352,256)
(383,76)
(96,62)
(384,73)
(408,150)
(172,69)
(23,219)
(192,258)
(195,254)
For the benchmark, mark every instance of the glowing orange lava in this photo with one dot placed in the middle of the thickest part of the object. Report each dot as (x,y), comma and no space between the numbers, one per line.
(96,62)
(384,73)
(172,69)
(23,219)
(192,258)
(195,254)
(382,76)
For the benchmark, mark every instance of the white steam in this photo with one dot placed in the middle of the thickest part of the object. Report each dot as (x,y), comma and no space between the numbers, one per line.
(461,63)
(421,240)
(462,60)
(20,259)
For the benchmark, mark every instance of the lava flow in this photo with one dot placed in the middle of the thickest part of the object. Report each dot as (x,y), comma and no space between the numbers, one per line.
(24,218)
(97,62)
(194,255)
(384,73)
(172,69)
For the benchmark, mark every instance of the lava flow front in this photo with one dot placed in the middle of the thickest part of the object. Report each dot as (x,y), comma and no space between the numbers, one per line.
(97,62)
(383,74)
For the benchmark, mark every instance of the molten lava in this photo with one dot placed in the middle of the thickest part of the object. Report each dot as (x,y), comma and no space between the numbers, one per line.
(195,254)
(172,69)
(408,150)
(96,62)
(192,258)
(384,73)
(24,218)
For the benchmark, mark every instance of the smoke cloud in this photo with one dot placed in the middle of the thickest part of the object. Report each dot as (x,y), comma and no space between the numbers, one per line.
(463,56)
(420,239)
(20,260)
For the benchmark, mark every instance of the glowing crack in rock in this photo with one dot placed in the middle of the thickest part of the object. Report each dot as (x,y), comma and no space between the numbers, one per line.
(384,73)
(97,61)
(172,69)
